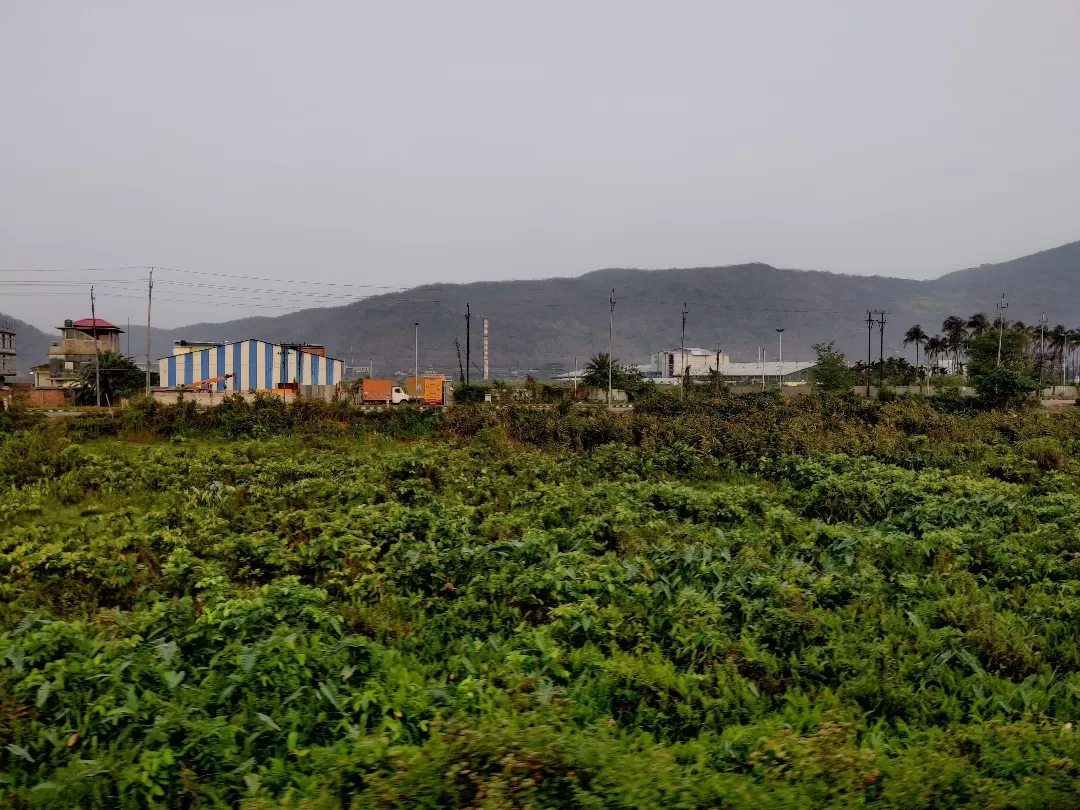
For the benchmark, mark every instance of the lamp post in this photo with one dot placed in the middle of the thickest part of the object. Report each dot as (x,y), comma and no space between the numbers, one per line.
(780,375)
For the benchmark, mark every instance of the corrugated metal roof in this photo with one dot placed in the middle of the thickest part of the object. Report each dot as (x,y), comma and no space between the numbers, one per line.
(93,323)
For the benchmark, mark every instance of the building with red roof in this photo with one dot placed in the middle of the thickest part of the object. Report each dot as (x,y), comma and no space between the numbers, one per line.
(79,343)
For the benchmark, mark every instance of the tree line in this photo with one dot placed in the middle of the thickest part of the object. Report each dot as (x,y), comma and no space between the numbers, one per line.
(1043,352)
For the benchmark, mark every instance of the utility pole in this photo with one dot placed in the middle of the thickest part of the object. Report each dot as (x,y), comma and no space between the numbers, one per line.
(149,300)
(1042,349)
(780,371)
(468,342)
(682,353)
(610,357)
(869,349)
(129,337)
(575,378)
(1064,353)
(97,348)
(416,358)
(485,350)
(1001,324)
(718,369)
(881,356)
(761,360)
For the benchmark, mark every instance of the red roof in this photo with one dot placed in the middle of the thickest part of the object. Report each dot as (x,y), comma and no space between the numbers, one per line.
(93,323)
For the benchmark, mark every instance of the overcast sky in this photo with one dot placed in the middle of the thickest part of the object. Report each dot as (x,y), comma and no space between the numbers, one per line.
(403,143)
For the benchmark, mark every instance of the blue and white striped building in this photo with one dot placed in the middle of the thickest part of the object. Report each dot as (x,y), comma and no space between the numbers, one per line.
(254,364)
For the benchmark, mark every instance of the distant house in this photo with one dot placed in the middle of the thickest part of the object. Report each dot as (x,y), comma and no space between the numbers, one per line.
(75,351)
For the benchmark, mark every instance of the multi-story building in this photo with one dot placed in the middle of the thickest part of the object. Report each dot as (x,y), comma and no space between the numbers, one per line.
(79,343)
(7,350)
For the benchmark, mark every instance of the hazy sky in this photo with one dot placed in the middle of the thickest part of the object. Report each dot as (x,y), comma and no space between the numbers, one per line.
(406,143)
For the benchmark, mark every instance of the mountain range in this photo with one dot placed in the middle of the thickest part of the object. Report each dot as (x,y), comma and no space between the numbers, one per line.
(545,324)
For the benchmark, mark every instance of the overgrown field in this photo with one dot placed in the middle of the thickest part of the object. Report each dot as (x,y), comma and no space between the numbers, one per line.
(337,619)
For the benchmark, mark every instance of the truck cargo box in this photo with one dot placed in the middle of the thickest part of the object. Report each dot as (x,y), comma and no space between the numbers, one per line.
(428,390)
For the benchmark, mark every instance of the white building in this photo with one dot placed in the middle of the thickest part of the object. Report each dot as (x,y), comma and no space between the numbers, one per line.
(666,368)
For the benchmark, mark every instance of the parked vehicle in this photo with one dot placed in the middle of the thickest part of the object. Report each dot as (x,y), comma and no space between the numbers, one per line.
(383,392)
(428,390)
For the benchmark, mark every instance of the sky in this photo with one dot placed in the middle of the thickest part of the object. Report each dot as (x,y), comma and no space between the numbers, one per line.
(385,145)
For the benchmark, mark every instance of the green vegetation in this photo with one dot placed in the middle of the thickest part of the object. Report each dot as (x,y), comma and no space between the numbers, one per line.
(119,376)
(733,602)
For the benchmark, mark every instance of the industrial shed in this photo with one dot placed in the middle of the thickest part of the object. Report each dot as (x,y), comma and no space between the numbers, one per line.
(251,365)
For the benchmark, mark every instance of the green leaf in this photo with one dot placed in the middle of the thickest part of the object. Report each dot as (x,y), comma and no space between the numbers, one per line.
(269,721)
(19,751)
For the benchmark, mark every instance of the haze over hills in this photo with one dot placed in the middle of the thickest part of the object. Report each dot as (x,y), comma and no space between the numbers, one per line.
(552,321)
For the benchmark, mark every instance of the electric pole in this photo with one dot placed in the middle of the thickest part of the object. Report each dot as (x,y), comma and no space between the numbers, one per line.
(881,356)
(149,300)
(869,349)
(1001,324)
(682,354)
(416,358)
(610,357)
(97,348)
(717,369)
(468,342)
(780,371)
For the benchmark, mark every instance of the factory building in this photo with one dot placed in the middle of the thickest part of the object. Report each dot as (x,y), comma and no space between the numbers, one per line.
(666,367)
(248,365)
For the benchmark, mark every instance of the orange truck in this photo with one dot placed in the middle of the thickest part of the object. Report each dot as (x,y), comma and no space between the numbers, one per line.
(428,390)
(382,391)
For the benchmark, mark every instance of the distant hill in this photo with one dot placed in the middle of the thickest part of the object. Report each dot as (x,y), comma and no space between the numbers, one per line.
(545,324)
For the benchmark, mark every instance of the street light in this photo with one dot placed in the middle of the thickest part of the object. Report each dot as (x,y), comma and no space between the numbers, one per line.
(780,376)
(416,357)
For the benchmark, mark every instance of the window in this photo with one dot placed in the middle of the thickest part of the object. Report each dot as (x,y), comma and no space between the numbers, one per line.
(69,365)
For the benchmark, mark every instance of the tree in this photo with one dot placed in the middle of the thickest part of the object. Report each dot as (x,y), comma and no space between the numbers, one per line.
(1002,387)
(917,336)
(978,323)
(983,353)
(955,333)
(935,347)
(120,377)
(831,375)
(596,371)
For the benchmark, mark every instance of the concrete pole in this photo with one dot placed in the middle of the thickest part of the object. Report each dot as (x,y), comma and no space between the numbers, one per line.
(485,349)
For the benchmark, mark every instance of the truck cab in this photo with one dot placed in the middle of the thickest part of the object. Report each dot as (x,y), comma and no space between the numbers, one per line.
(398,395)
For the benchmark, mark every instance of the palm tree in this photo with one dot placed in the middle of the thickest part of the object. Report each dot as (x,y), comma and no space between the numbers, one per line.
(917,336)
(120,377)
(1057,338)
(936,346)
(596,371)
(978,323)
(954,330)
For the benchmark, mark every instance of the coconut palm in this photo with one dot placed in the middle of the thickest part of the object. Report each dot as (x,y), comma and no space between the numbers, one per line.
(917,336)
(935,347)
(954,330)
(977,324)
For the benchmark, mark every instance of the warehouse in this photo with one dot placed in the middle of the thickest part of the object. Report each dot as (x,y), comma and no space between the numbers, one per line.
(248,365)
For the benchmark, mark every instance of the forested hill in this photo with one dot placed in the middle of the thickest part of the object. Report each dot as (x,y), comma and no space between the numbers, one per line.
(552,321)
